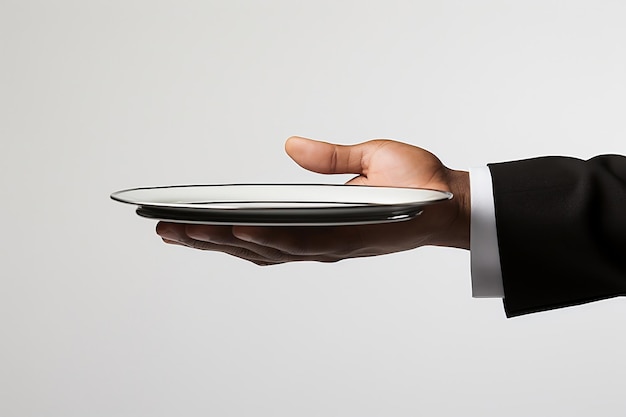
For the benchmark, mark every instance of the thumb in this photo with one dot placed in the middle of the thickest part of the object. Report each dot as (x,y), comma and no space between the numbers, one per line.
(329,158)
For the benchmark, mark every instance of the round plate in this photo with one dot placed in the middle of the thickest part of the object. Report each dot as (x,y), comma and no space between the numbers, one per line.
(279,204)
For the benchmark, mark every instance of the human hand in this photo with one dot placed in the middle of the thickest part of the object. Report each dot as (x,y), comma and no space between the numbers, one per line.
(376,163)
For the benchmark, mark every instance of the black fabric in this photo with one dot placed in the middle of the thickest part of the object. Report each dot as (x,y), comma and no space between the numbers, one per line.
(561,231)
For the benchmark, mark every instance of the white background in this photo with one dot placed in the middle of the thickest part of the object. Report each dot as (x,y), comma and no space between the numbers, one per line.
(99,318)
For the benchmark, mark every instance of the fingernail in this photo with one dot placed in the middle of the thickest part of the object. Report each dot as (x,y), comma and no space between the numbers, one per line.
(165,230)
(198,233)
(243,235)
(167,234)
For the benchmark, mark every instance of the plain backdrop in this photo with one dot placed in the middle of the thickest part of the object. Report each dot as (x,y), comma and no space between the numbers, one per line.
(99,318)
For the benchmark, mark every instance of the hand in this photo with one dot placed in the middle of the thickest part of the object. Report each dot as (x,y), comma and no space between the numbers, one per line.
(377,162)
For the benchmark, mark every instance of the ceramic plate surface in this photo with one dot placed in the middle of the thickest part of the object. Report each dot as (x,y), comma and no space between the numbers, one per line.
(280,204)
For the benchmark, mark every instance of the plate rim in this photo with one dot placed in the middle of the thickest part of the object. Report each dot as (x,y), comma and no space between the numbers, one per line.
(116,196)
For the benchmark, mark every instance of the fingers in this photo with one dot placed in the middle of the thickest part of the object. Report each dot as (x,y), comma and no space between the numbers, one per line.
(222,237)
(173,233)
(315,243)
(253,247)
(328,158)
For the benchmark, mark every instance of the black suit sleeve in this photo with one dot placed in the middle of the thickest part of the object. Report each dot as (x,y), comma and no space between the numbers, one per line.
(561,231)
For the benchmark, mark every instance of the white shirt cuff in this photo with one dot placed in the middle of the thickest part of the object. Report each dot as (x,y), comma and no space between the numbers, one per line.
(485,257)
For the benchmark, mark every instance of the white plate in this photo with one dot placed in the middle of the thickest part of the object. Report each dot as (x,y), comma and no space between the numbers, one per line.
(280,204)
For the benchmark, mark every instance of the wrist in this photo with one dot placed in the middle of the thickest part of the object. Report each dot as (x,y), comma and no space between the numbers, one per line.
(455,232)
